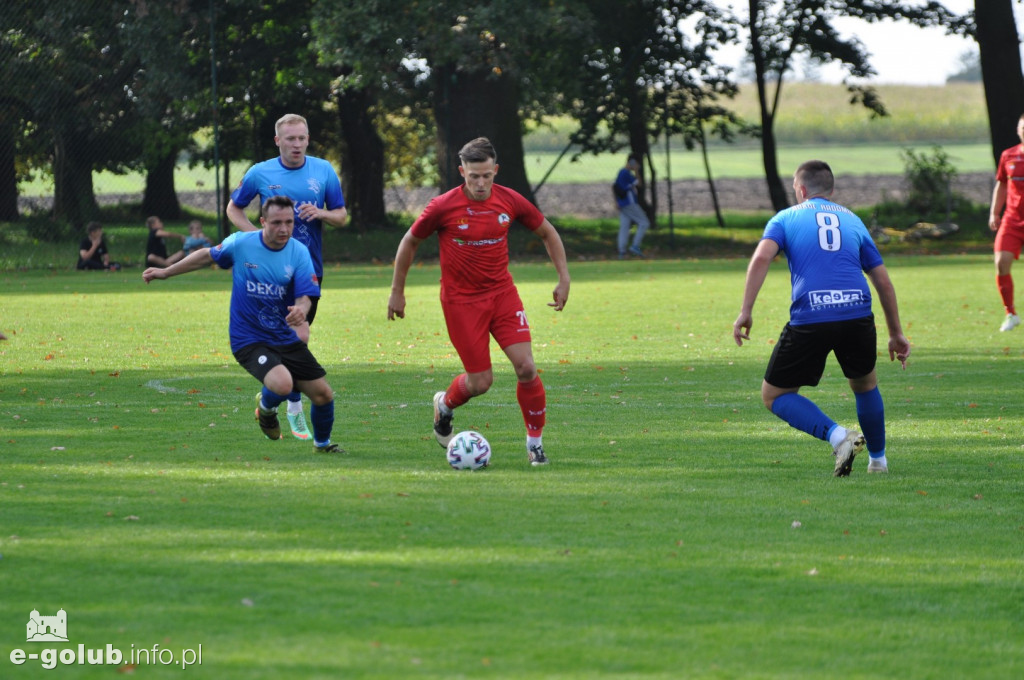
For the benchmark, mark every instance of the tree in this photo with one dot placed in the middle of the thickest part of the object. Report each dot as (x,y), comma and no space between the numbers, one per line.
(999,44)
(783,29)
(68,68)
(479,66)
(644,74)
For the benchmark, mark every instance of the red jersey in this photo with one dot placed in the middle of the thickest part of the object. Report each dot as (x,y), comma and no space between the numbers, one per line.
(473,238)
(1011,171)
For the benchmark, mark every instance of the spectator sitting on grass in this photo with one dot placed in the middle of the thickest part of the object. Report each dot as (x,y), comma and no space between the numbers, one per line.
(196,238)
(156,248)
(92,250)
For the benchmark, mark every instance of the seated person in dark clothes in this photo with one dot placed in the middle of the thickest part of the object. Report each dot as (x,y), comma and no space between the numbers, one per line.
(92,250)
(156,249)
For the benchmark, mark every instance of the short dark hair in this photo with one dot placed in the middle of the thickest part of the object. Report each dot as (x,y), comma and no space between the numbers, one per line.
(93,226)
(478,151)
(817,177)
(277,201)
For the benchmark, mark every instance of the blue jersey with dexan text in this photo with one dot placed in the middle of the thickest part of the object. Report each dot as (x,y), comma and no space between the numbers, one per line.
(265,283)
(828,249)
(315,182)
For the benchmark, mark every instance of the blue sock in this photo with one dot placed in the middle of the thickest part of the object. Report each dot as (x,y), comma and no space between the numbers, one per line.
(803,414)
(322,418)
(271,399)
(295,396)
(871,416)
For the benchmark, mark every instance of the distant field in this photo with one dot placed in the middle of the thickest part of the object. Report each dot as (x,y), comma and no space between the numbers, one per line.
(814,120)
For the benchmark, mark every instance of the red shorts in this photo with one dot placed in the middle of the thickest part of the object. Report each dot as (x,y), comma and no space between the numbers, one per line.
(1009,240)
(471,323)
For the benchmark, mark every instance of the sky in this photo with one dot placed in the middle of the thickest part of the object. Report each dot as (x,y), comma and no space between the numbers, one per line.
(901,53)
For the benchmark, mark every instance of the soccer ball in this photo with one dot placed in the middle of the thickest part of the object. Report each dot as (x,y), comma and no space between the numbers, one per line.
(468,451)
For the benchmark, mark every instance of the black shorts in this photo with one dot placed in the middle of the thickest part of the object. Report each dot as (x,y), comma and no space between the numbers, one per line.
(800,354)
(258,358)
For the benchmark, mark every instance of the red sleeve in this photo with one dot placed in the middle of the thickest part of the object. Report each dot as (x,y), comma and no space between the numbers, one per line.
(428,222)
(526,213)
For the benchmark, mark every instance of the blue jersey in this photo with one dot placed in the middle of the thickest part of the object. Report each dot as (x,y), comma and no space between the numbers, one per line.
(265,283)
(828,249)
(315,182)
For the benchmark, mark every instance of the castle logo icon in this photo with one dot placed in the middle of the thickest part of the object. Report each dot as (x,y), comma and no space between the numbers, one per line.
(47,628)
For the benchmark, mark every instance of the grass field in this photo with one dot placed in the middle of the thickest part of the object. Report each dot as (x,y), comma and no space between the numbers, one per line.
(680,530)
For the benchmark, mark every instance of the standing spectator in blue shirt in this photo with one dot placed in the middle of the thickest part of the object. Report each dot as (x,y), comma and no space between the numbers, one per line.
(626,188)
(829,250)
(315,189)
(270,297)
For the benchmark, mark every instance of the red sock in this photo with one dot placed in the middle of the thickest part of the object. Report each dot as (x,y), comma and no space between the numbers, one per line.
(1005,285)
(533,403)
(458,393)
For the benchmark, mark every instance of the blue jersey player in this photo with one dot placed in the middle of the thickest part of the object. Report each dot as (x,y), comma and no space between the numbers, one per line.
(272,283)
(829,250)
(314,188)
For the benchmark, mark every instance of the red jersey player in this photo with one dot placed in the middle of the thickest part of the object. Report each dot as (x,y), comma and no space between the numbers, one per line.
(1008,194)
(478,297)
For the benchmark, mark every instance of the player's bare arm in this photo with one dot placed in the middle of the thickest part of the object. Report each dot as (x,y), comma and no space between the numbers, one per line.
(336,218)
(556,251)
(236,215)
(196,260)
(757,270)
(403,261)
(899,346)
(996,209)
(297,313)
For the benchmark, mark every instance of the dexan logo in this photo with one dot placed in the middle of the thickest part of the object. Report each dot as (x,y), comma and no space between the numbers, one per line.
(834,297)
(271,290)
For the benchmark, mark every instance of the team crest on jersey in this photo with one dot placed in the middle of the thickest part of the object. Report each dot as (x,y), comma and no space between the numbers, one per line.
(504,220)
(289,271)
(463,225)
(314,185)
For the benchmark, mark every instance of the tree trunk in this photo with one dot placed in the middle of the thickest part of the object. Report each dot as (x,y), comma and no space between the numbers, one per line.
(479,104)
(74,200)
(8,177)
(640,146)
(159,197)
(225,191)
(776,190)
(999,47)
(362,160)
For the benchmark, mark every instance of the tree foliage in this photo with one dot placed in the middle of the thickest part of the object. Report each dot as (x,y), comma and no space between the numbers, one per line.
(481,67)
(649,70)
(783,29)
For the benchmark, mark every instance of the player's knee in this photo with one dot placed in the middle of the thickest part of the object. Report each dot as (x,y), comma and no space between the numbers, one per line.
(525,369)
(479,383)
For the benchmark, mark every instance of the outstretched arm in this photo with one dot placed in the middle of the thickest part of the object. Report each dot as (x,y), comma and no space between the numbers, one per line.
(556,251)
(196,260)
(403,260)
(757,270)
(899,346)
